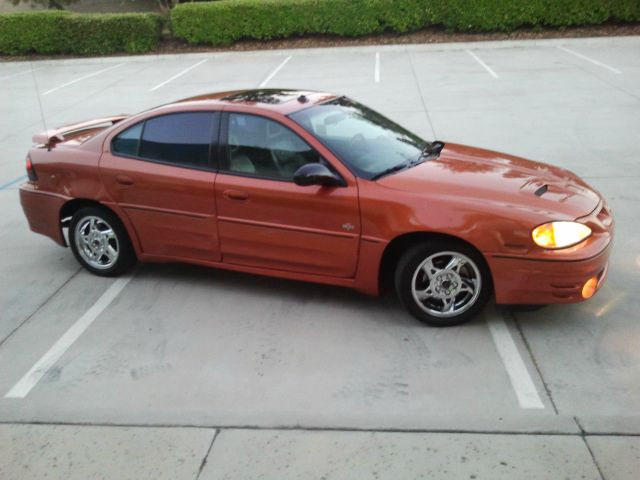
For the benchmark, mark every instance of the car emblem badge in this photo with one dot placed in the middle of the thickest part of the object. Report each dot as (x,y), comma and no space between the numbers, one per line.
(348,226)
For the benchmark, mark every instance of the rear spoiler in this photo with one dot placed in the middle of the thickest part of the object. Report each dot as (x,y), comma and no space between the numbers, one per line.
(51,137)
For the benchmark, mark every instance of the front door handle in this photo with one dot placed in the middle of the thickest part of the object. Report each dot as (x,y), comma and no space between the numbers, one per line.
(235,195)
(124,180)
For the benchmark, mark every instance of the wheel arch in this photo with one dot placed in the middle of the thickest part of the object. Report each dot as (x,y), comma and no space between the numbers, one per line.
(69,208)
(72,206)
(395,248)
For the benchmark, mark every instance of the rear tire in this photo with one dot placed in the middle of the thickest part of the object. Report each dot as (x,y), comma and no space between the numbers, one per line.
(100,242)
(442,283)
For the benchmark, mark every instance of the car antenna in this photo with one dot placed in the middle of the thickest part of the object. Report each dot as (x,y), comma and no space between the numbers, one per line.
(303,98)
(35,82)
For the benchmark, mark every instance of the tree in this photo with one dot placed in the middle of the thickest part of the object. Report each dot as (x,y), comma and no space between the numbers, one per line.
(56,4)
(163,5)
(166,5)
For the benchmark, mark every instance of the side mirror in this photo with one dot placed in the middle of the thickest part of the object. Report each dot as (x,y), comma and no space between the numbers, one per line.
(316,174)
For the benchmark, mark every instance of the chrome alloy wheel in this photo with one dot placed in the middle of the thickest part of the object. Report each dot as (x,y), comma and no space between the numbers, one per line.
(446,284)
(96,242)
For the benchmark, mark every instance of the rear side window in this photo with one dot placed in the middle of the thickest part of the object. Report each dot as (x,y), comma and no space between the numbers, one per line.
(127,142)
(181,138)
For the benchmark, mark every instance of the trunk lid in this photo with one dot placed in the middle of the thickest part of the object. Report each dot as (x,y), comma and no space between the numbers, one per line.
(75,133)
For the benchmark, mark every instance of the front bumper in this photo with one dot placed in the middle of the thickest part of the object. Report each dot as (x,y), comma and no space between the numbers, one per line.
(520,281)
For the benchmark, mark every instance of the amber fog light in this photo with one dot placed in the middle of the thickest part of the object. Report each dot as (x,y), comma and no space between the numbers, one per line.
(590,287)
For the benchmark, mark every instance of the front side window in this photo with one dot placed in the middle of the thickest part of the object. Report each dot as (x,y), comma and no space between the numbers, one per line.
(364,140)
(265,148)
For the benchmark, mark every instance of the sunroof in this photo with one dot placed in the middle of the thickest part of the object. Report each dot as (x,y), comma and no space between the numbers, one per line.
(271,96)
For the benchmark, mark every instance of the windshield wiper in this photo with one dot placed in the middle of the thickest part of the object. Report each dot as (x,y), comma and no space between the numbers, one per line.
(397,168)
(430,151)
(390,170)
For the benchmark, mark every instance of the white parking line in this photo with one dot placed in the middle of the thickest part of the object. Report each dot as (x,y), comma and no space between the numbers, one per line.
(20,73)
(274,73)
(479,60)
(376,74)
(48,360)
(584,57)
(178,75)
(521,381)
(82,78)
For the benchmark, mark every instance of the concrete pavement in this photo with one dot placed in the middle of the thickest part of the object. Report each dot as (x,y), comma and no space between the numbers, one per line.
(197,373)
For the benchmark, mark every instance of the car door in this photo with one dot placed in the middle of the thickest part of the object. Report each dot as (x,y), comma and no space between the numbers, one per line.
(265,219)
(161,174)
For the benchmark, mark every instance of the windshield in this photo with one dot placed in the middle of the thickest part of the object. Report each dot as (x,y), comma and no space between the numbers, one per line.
(364,140)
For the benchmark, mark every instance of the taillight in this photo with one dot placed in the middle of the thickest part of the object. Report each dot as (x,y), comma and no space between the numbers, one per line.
(31,173)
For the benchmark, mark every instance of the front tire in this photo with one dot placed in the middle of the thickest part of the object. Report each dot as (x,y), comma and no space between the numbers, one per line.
(100,242)
(442,283)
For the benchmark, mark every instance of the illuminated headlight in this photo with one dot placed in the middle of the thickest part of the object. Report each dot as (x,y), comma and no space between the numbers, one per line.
(560,234)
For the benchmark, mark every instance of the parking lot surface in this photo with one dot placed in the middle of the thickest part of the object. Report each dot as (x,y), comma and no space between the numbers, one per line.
(182,372)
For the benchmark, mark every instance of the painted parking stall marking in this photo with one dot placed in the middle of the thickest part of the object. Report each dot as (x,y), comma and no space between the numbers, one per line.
(82,78)
(481,62)
(178,75)
(13,182)
(24,72)
(590,60)
(48,360)
(376,73)
(274,73)
(521,381)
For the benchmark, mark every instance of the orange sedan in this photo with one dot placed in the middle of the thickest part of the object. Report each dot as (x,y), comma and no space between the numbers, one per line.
(317,187)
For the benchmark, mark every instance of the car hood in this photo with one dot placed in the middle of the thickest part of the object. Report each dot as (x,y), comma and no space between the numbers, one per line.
(491,177)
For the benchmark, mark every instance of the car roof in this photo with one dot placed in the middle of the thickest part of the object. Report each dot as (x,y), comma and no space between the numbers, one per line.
(284,101)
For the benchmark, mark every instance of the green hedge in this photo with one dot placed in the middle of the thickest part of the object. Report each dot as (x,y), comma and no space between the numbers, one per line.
(225,21)
(222,22)
(501,15)
(49,32)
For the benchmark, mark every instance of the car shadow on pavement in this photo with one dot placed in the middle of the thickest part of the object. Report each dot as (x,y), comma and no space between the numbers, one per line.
(256,288)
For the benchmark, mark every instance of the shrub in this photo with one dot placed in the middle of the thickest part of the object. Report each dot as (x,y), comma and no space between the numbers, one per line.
(225,21)
(500,15)
(49,32)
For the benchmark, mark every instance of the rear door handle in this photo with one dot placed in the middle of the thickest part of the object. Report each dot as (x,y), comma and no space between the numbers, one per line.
(124,180)
(235,195)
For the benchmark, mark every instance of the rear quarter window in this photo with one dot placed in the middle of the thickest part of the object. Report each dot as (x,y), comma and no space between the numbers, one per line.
(127,142)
